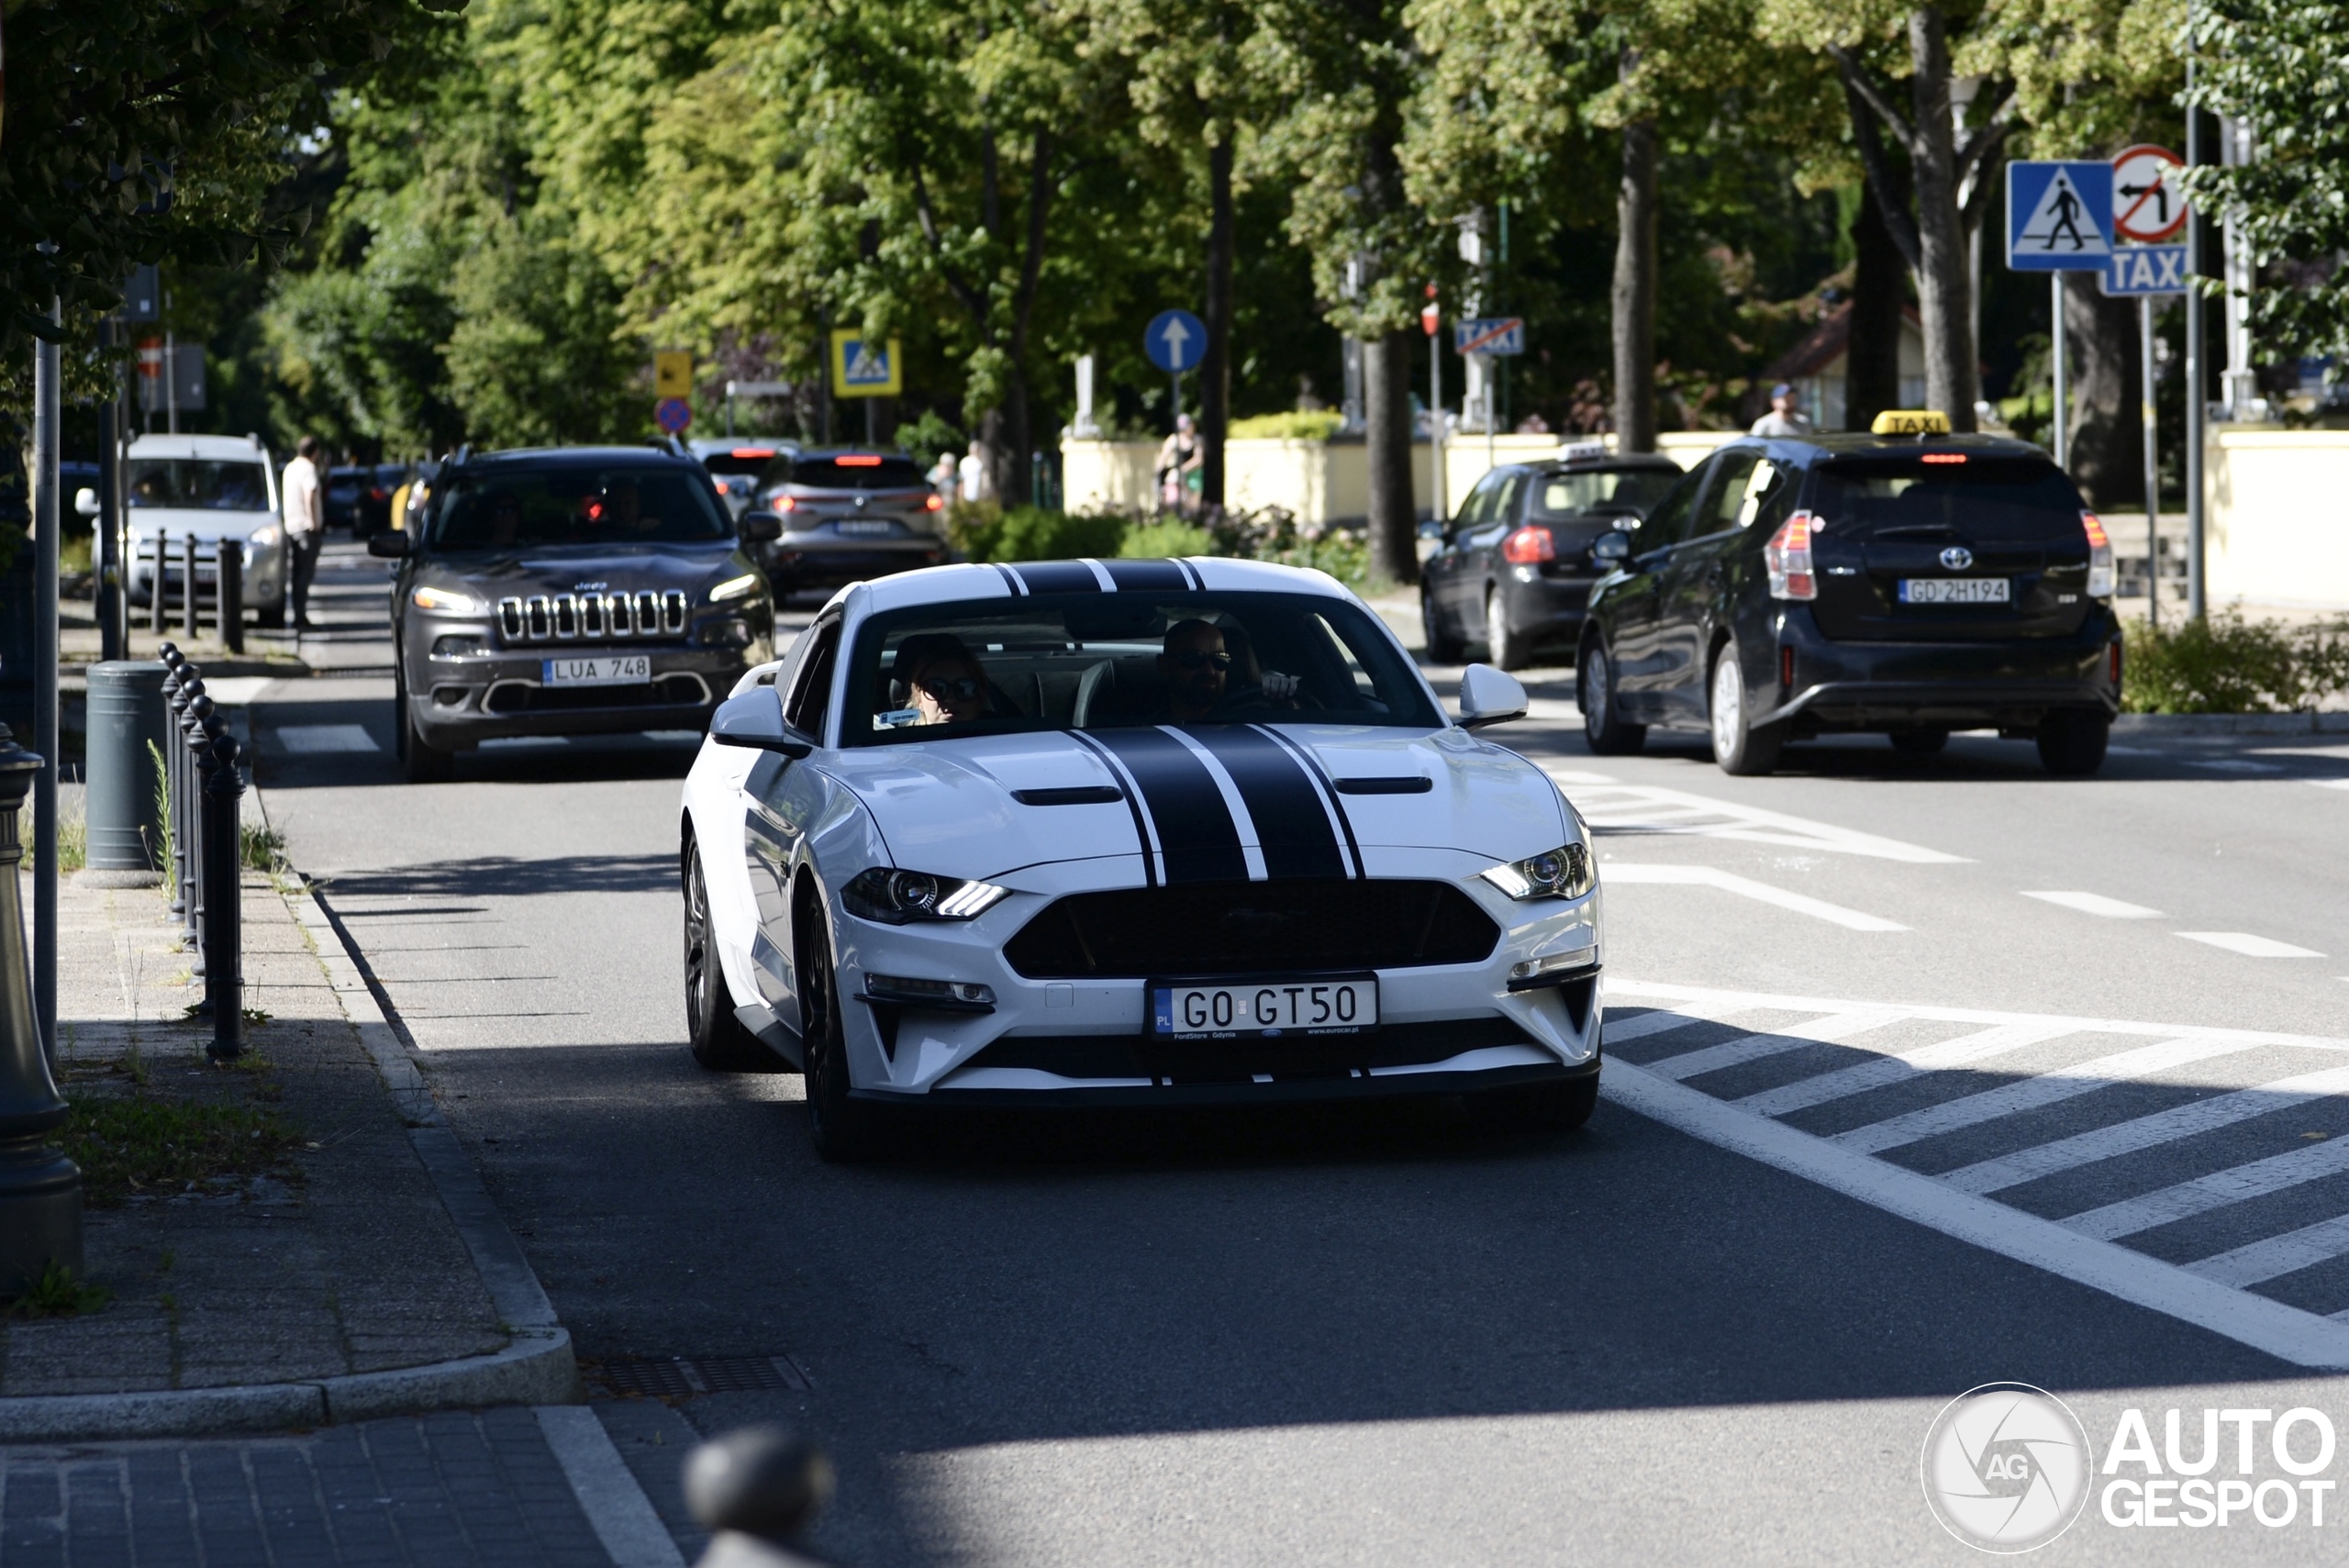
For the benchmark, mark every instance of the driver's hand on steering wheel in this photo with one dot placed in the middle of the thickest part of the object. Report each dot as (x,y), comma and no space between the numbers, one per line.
(1278,687)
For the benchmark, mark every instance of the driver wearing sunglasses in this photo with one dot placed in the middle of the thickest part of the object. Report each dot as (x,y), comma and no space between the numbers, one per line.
(1199,669)
(943,681)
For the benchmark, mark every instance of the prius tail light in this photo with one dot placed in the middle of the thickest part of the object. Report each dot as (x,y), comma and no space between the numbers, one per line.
(934,503)
(1529,547)
(1787,555)
(2099,557)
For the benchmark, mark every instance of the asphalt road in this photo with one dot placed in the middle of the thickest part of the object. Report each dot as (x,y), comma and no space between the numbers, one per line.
(1383,1337)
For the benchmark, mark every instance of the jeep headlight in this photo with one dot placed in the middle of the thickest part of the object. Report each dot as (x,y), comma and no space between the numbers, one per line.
(447,602)
(734,588)
(1567,871)
(894,897)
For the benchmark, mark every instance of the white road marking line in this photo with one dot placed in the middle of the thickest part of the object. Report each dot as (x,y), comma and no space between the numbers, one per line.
(2216,1190)
(2098,904)
(2248,945)
(1630,807)
(617,1508)
(235,691)
(1730,882)
(2329,784)
(1664,1020)
(2145,1131)
(319,739)
(1568,776)
(2231,765)
(2034,1093)
(2301,1338)
(1962,1051)
(1774,1042)
(2277,1256)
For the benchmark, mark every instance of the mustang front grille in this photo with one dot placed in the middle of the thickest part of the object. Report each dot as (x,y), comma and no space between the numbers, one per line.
(1252,927)
(567,618)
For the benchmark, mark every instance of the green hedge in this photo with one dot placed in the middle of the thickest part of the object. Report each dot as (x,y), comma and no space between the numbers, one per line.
(2227,664)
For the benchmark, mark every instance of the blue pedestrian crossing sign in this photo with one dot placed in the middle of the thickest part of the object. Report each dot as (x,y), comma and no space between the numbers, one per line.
(2059,217)
(2145,269)
(863,367)
(1176,342)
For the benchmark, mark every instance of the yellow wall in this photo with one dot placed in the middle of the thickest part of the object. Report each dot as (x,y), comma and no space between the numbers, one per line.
(2278,521)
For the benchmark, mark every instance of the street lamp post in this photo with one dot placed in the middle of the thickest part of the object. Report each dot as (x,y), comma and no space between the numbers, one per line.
(40,1189)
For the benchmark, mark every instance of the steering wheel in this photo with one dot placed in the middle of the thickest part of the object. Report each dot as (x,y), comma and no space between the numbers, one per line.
(1239,699)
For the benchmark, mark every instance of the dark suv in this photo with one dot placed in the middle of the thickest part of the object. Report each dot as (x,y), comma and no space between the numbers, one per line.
(569,591)
(1514,572)
(1911,586)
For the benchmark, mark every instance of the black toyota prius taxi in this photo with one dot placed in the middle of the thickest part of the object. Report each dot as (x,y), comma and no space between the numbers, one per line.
(1909,583)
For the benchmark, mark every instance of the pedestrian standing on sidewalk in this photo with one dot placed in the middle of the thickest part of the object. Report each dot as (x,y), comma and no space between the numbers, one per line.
(306,522)
(1785,417)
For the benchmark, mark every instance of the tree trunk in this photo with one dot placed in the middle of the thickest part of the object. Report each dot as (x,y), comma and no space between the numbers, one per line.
(1944,284)
(1215,366)
(2108,445)
(991,455)
(1634,293)
(1386,416)
(1872,358)
(1015,462)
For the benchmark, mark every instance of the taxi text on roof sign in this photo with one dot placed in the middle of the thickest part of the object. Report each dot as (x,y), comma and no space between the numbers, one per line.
(1910,422)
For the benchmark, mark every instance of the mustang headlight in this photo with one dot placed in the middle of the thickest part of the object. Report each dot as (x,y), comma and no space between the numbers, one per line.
(1567,871)
(894,897)
(447,601)
(734,588)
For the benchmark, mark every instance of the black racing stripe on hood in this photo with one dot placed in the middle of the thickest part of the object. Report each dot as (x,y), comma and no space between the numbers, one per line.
(1292,827)
(1147,576)
(1142,832)
(1012,579)
(1196,832)
(1056,577)
(1312,765)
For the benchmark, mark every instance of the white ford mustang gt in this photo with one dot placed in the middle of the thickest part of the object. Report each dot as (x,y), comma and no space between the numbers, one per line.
(1132,833)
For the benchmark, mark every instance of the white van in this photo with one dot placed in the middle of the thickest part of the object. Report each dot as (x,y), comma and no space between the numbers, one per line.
(217,488)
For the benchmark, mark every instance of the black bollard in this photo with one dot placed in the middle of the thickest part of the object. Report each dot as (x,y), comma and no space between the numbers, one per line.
(40,1189)
(206,732)
(155,584)
(231,595)
(174,751)
(757,1491)
(224,794)
(187,586)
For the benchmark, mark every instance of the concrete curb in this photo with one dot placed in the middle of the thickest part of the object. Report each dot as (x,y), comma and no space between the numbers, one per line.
(537,1367)
(2156,725)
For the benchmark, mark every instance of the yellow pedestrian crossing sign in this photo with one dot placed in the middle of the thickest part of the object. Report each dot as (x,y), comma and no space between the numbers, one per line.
(672,373)
(864,368)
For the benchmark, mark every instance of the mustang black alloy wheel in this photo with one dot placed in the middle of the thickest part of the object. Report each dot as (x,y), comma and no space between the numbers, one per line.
(718,1039)
(843,1131)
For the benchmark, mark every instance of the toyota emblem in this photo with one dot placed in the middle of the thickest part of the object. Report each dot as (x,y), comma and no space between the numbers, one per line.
(1958,558)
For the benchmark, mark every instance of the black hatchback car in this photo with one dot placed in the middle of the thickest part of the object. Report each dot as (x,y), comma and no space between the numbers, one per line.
(569,591)
(1905,585)
(1514,572)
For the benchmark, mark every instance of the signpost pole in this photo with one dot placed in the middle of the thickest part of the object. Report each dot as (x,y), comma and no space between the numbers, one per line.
(2062,441)
(47,515)
(1436,477)
(2153,466)
(1491,462)
(2194,350)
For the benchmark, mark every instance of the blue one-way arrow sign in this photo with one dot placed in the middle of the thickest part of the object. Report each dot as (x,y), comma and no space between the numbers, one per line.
(2146,269)
(1176,342)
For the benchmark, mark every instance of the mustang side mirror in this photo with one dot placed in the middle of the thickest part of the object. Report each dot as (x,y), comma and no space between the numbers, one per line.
(85,502)
(761,528)
(1611,548)
(390,543)
(755,719)
(1490,697)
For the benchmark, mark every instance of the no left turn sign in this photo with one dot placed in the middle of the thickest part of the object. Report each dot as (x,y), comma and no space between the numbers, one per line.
(2146,207)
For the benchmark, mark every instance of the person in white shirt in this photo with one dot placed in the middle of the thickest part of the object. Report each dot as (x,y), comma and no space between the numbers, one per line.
(304,494)
(974,469)
(1784,418)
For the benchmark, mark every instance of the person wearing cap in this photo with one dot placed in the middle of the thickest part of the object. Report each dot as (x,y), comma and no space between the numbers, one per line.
(1784,418)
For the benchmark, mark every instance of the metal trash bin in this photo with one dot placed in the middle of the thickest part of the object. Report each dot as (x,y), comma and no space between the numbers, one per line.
(126,715)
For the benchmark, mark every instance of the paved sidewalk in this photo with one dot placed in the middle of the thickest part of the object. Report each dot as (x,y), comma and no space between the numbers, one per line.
(336,1258)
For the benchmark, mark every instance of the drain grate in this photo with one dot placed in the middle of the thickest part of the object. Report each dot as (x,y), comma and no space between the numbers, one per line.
(682,1377)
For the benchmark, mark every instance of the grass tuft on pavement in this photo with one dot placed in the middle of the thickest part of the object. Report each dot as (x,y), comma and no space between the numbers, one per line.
(138,1144)
(57,1294)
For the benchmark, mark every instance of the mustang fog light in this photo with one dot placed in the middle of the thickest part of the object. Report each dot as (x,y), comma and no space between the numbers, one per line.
(955,994)
(459,647)
(1553,964)
(732,632)
(1565,872)
(894,897)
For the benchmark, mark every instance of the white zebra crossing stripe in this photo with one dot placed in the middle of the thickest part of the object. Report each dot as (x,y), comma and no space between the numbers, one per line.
(2216,1190)
(2277,1256)
(1746,887)
(1663,1020)
(2145,1131)
(1962,1052)
(1636,808)
(1776,1042)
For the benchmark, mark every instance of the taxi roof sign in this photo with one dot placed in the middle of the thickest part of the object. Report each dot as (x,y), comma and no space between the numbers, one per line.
(1910,422)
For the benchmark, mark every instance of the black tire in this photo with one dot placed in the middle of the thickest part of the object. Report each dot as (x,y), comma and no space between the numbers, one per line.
(2072,743)
(1919,742)
(1603,730)
(843,1131)
(1505,648)
(272,617)
(1536,1107)
(1444,646)
(419,763)
(716,1035)
(1740,746)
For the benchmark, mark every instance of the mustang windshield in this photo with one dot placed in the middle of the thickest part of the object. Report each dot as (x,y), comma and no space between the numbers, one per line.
(497,508)
(1103,661)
